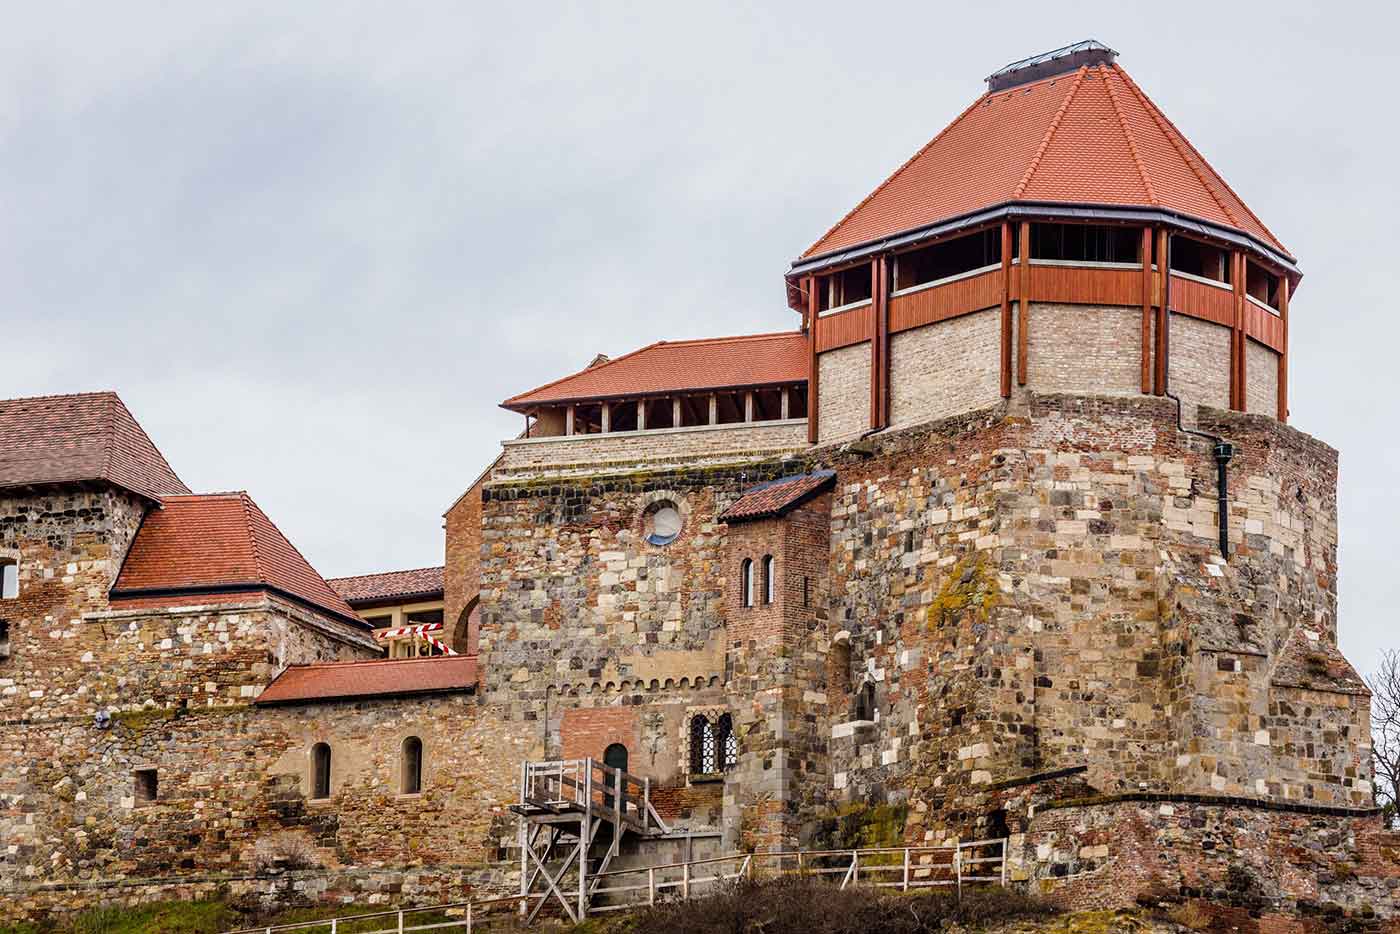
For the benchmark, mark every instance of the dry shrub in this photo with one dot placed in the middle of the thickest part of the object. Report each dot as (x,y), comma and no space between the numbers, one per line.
(1191,916)
(284,850)
(797,905)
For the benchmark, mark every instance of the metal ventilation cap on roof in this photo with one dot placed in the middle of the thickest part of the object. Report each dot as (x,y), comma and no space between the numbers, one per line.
(1058,61)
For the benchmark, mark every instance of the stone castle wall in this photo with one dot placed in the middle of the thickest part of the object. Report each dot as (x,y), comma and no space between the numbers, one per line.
(462,567)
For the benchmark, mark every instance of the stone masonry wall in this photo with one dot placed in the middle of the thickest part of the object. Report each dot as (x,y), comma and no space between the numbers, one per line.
(1029,595)
(231,776)
(843,393)
(943,369)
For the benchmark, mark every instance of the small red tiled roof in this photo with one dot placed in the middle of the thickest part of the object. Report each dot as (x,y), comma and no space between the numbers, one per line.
(681,366)
(369,588)
(1086,137)
(73,438)
(777,497)
(375,678)
(219,542)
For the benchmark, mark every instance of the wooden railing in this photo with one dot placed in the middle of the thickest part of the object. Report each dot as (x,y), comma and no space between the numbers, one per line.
(589,785)
(903,868)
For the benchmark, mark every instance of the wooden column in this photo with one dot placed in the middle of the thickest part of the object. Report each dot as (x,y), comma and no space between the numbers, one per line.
(569,420)
(785,412)
(1283,285)
(879,343)
(714,409)
(883,316)
(748,406)
(1159,356)
(641,415)
(1006,309)
(1023,307)
(813,370)
(1147,282)
(607,417)
(1237,338)
(676,412)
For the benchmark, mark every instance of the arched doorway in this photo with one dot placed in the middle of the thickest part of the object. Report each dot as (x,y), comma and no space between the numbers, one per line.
(615,757)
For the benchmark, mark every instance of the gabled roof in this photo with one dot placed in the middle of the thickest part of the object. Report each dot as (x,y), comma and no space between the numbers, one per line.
(82,437)
(375,678)
(389,585)
(778,497)
(220,543)
(681,366)
(1088,137)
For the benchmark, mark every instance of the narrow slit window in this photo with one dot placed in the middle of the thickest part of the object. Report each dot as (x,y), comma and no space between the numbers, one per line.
(412,779)
(320,771)
(4,639)
(9,579)
(147,787)
(746,582)
(728,744)
(770,585)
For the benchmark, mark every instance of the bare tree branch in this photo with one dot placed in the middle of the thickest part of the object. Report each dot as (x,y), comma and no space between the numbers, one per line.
(1385,728)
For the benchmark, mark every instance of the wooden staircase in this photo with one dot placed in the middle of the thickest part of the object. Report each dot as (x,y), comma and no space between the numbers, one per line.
(569,808)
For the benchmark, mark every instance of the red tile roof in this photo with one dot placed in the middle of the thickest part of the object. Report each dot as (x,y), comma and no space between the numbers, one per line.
(376,678)
(70,439)
(370,588)
(681,366)
(778,497)
(1087,137)
(219,542)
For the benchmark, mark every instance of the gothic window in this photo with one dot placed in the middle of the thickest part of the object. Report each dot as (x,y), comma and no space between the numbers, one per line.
(728,742)
(746,582)
(9,579)
(411,782)
(770,583)
(4,638)
(702,746)
(320,771)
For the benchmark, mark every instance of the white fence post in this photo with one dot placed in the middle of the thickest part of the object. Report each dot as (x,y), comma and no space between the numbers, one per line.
(957,867)
(685,881)
(651,885)
(906,869)
(469,918)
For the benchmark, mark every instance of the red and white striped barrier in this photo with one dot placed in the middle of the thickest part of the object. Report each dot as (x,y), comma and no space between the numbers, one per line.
(421,630)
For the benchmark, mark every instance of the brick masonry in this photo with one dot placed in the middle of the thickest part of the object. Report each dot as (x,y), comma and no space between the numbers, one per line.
(1200,362)
(843,396)
(461,576)
(942,369)
(1085,349)
(1261,379)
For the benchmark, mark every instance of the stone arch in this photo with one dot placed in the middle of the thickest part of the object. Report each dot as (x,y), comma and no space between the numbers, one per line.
(467,629)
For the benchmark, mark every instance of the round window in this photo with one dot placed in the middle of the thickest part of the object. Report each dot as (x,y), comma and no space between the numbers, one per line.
(663,524)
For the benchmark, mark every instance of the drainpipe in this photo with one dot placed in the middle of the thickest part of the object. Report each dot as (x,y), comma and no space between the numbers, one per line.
(1221,448)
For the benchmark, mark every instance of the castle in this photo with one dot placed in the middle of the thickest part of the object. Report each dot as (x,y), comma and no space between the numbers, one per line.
(1008,536)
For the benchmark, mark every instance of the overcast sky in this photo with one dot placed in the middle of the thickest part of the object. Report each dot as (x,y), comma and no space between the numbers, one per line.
(313,245)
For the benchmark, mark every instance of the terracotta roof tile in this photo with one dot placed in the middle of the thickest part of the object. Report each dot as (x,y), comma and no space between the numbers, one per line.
(778,497)
(1088,137)
(374,678)
(682,366)
(219,542)
(73,438)
(367,588)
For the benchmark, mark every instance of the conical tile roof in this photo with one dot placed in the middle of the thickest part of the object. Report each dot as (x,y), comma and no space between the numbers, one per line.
(1086,137)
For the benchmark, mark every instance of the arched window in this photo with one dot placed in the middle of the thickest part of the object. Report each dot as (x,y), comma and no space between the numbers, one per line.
(746,582)
(411,782)
(702,746)
(320,771)
(770,580)
(9,579)
(728,742)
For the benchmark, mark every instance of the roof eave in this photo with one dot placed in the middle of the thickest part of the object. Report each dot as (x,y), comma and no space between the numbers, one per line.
(525,407)
(333,698)
(200,590)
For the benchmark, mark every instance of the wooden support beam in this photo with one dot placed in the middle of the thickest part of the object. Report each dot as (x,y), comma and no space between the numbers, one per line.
(714,408)
(1023,308)
(1159,356)
(675,411)
(607,417)
(1237,337)
(813,368)
(641,415)
(785,411)
(569,420)
(1283,286)
(1146,309)
(748,406)
(879,342)
(1006,309)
